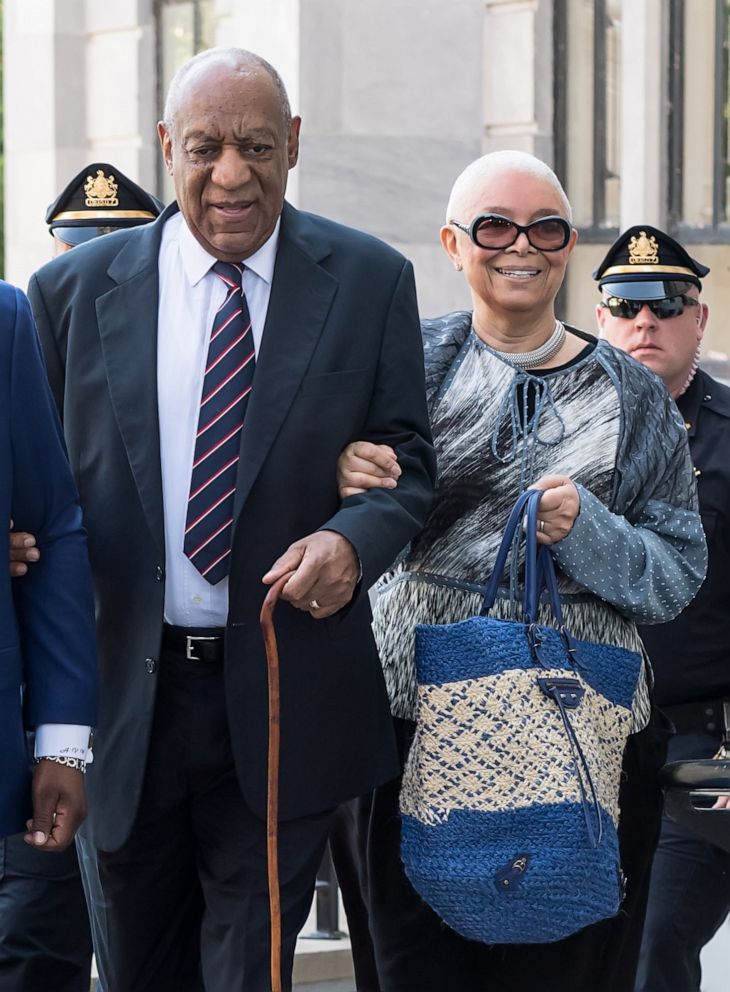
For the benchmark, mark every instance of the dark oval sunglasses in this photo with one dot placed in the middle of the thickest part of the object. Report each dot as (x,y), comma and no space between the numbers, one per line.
(494,232)
(670,306)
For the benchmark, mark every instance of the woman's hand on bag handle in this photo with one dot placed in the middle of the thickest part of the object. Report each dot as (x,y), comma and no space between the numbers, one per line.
(363,465)
(559,508)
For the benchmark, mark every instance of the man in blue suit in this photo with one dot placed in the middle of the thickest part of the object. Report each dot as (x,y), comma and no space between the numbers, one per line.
(203,480)
(45,938)
(47,640)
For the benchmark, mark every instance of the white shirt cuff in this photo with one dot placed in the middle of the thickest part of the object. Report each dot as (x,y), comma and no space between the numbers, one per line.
(63,740)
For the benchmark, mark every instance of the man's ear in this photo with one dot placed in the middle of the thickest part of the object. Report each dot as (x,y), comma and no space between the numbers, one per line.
(703,312)
(292,144)
(165,144)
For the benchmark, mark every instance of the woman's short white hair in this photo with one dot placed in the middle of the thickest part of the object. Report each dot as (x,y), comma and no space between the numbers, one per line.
(502,161)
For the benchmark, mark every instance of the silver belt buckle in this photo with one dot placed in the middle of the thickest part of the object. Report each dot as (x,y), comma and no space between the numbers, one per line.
(190,640)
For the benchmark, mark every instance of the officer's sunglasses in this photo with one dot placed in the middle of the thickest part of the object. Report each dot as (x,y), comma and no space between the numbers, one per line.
(670,306)
(494,232)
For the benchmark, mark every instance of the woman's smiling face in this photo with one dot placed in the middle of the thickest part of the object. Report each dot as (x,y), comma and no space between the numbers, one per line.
(520,280)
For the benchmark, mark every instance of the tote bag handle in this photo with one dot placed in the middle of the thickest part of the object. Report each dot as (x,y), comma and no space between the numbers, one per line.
(539,567)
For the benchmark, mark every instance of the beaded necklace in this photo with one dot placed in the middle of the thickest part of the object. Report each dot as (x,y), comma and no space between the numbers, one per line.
(538,356)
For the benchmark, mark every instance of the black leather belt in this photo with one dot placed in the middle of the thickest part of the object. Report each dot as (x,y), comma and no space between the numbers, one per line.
(708,716)
(204,644)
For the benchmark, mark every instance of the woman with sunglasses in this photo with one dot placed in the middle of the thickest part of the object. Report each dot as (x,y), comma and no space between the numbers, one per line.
(518,399)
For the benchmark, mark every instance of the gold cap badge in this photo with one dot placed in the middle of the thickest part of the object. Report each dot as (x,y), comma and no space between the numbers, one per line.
(643,250)
(101,191)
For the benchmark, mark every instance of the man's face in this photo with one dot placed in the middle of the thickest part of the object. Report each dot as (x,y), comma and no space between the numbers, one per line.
(229,154)
(668,347)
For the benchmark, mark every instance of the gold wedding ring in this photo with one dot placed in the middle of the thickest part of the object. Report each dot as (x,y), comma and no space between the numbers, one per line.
(314,605)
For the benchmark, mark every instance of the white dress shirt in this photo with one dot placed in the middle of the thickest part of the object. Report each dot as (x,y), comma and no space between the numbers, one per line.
(63,740)
(190,294)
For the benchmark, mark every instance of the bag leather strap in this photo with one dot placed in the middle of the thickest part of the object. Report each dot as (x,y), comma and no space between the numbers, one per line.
(539,567)
(514,521)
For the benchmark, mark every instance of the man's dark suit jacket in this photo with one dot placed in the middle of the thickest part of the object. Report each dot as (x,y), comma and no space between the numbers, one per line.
(341,359)
(47,640)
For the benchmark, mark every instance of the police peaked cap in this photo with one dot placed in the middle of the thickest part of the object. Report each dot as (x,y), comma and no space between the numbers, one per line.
(98,199)
(644,263)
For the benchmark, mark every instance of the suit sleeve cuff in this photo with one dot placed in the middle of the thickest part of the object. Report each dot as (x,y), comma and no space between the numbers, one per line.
(63,740)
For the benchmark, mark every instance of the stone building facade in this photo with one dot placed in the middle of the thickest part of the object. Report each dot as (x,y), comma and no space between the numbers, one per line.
(627,100)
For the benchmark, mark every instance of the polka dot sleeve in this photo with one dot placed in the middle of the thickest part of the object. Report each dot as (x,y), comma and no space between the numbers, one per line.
(649,569)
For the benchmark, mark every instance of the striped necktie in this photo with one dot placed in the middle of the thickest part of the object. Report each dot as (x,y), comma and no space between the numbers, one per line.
(227,384)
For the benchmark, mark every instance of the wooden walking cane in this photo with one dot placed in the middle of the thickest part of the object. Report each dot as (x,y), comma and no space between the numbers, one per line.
(272,804)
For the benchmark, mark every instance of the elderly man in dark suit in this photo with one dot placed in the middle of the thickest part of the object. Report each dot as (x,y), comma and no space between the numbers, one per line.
(209,368)
(47,651)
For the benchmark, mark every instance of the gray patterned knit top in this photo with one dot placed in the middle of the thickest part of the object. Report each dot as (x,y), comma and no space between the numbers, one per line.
(636,551)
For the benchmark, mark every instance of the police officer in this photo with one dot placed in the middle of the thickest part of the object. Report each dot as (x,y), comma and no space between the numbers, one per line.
(651,308)
(45,942)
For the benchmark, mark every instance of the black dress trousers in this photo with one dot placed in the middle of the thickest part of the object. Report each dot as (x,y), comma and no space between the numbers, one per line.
(187,895)
(45,942)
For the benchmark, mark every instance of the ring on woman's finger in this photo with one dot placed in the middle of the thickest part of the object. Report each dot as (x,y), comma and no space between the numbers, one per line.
(314,605)
(541,526)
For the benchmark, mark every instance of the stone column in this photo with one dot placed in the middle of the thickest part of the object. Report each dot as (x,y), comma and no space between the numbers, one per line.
(45,109)
(518,72)
(122,103)
(79,86)
(643,113)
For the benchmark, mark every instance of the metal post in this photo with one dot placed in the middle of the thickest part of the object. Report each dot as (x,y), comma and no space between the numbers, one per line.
(327,903)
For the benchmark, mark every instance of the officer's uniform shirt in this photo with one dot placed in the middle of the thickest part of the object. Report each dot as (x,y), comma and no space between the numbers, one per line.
(691,654)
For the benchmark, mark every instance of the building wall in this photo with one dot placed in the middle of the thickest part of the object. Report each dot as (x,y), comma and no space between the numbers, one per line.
(79,87)
(397,96)
(391,99)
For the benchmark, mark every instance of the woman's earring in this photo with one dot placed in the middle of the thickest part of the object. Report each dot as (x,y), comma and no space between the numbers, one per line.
(457,266)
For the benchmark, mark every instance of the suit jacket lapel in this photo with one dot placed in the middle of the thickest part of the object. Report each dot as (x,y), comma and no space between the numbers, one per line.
(127,317)
(301,297)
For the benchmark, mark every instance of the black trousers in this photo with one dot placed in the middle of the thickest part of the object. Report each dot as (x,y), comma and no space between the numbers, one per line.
(351,878)
(689,895)
(187,895)
(45,941)
(415,952)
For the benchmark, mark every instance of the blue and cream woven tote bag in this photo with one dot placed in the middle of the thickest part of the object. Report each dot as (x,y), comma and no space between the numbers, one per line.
(510,792)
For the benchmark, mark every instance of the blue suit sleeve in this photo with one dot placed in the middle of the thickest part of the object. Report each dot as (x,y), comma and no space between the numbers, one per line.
(54,601)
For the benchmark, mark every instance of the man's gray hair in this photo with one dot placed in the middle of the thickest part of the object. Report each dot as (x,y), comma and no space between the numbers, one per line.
(236,58)
(498,162)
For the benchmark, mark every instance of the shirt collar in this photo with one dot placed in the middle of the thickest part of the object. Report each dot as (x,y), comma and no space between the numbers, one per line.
(197,262)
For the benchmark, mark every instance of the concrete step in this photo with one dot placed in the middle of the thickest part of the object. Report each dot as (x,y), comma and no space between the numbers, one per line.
(344,986)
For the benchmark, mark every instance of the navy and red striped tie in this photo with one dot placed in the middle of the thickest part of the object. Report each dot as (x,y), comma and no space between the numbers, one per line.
(226,387)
